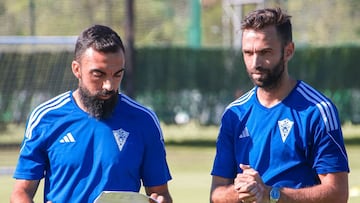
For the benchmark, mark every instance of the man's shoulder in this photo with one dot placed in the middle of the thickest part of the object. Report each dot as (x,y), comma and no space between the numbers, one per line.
(133,107)
(311,94)
(243,100)
(314,103)
(45,114)
(55,104)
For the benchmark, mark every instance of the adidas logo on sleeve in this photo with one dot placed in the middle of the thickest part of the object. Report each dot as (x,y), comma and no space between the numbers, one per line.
(67,138)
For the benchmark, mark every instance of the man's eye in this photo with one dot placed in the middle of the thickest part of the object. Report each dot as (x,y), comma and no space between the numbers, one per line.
(97,74)
(263,52)
(119,75)
(247,53)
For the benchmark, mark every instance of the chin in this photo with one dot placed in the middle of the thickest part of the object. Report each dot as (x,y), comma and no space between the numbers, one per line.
(257,82)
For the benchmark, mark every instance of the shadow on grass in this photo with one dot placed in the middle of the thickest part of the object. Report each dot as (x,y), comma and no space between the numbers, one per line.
(352,141)
(12,145)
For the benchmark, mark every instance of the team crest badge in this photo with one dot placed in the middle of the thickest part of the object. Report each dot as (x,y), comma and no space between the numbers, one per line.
(285,128)
(120,137)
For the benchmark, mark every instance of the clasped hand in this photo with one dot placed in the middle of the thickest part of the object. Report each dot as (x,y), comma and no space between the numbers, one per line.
(249,186)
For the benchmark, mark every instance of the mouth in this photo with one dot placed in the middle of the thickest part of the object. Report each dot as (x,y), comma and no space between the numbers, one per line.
(257,75)
(106,95)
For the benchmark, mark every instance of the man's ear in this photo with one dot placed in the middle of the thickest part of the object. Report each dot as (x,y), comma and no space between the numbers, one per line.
(289,51)
(75,67)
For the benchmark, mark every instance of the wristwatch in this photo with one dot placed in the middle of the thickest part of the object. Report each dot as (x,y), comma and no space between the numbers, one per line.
(274,194)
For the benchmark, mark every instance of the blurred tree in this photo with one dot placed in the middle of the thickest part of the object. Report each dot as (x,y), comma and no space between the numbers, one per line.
(166,22)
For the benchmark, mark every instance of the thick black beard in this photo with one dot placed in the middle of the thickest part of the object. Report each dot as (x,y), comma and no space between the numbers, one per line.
(98,108)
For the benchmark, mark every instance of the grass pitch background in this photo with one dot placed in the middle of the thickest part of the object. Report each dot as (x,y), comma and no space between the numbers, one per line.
(190,152)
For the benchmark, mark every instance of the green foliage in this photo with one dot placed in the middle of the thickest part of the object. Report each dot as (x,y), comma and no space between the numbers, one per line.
(327,67)
(208,70)
(167,22)
(199,82)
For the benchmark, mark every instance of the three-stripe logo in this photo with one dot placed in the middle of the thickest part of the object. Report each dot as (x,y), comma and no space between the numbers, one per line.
(67,138)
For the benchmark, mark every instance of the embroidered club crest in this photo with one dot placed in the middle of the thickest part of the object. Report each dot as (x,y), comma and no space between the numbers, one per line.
(120,137)
(285,128)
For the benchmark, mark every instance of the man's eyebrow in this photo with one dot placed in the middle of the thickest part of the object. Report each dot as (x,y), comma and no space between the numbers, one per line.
(119,71)
(96,70)
(259,50)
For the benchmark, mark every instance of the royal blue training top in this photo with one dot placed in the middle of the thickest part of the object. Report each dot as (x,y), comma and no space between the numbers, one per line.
(289,144)
(80,156)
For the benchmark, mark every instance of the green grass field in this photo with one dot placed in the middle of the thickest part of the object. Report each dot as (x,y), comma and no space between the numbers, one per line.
(190,151)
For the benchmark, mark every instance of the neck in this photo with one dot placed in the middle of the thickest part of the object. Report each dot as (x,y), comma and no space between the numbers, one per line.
(269,97)
(78,100)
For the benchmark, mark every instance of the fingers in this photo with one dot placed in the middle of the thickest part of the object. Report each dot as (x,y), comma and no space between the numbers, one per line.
(244,167)
(248,170)
(241,180)
(247,176)
(247,192)
(155,198)
(249,185)
(252,191)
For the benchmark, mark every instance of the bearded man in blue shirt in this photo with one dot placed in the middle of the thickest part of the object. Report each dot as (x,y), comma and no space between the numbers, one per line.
(281,142)
(95,138)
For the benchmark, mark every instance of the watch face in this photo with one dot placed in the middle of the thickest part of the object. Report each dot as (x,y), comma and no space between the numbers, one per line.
(275,193)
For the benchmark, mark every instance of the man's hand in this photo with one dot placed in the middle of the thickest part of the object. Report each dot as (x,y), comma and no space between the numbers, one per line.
(158,198)
(159,194)
(250,186)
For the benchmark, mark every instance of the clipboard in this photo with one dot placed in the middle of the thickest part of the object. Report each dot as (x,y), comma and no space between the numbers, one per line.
(122,197)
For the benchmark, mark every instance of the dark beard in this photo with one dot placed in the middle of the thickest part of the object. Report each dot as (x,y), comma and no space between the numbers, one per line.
(98,108)
(273,76)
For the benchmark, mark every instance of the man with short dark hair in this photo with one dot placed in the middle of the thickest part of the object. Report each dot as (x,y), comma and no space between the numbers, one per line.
(281,141)
(92,139)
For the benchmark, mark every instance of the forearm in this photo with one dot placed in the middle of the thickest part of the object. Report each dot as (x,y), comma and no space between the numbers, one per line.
(334,187)
(17,197)
(315,194)
(24,191)
(224,194)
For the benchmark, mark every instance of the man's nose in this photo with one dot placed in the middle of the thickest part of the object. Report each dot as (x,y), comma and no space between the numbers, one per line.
(108,85)
(256,62)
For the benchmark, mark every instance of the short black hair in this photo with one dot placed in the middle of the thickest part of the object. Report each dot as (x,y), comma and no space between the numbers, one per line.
(100,38)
